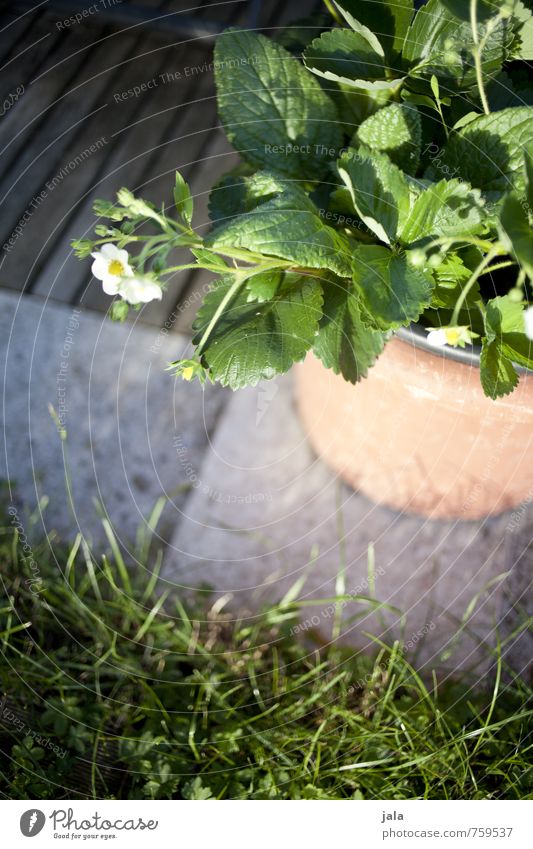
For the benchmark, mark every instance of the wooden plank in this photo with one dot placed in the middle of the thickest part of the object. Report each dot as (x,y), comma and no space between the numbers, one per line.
(69,189)
(13,26)
(146,161)
(28,54)
(39,127)
(140,152)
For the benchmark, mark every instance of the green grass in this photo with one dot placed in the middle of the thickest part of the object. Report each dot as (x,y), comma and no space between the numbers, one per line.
(144,697)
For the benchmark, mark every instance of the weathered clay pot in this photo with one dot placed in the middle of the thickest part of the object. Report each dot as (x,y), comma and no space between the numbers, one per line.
(419,435)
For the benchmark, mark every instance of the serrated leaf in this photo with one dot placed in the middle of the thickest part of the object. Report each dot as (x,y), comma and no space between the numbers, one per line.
(209,258)
(285,225)
(392,292)
(263,287)
(504,325)
(450,276)
(395,130)
(438,43)
(498,376)
(388,19)
(233,195)
(516,231)
(524,31)
(255,341)
(379,190)
(488,152)
(447,208)
(346,57)
(344,8)
(344,343)
(267,101)
(183,199)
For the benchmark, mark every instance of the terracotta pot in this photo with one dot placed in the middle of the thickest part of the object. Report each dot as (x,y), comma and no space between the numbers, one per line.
(419,435)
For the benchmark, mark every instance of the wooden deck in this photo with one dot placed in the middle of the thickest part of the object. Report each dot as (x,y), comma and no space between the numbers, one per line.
(76,128)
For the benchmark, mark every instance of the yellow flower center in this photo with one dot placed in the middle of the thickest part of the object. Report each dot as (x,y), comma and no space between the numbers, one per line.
(116,267)
(452,336)
(187,373)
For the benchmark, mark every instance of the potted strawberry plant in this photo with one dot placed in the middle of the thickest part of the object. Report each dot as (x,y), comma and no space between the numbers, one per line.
(378,229)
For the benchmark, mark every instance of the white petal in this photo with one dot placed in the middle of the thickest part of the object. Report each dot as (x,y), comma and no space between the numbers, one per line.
(140,290)
(111,284)
(99,267)
(437,338)
(528,322)
(110,251)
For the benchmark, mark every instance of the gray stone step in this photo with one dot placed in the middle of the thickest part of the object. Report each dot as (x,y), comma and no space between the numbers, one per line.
(122,412)
(266,512)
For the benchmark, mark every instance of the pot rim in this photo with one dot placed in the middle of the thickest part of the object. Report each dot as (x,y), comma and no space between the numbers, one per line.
(417,336)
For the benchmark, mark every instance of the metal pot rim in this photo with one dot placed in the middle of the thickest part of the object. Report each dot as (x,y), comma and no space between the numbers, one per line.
(417,336)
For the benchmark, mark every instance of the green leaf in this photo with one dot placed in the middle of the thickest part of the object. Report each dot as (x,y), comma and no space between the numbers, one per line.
(438,43)
(504,325)
(208,258)
(448,208)
(183,199)
(195,789)
(498,377)
(287,225)
(485,9)
(273,110)
(263,287)
(528,162)
(388,19)
(525,31)
(516,232)
(392,292)
(344,343)
(488,152)
(346,57)
(233,195)
(395,130)
(450,277)
(255,341)
(344,8)
(379,191)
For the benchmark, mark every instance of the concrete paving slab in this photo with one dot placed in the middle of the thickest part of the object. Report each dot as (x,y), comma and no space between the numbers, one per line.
(123,414)
(266,511)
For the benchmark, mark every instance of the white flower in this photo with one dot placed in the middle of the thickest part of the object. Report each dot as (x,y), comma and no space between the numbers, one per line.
(528,322)
(139,290)
(437,338)
(455,336)
(111,266)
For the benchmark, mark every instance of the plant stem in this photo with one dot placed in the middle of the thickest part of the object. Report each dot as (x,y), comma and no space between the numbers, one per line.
(497,267)
(239,280)
(477,57)
(333,12)
(475,275)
